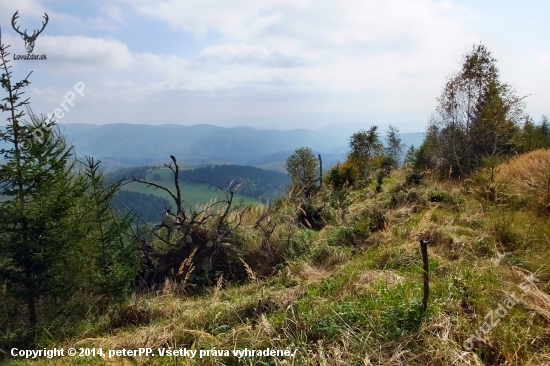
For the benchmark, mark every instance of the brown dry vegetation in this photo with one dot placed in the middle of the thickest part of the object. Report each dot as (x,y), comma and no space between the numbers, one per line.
(529,175)
(350,293)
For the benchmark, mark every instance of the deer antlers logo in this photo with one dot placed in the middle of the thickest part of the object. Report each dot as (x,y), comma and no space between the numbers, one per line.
(29,40)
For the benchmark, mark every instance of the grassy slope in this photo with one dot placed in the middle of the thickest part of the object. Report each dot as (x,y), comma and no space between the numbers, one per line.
(193,195)
(353,297)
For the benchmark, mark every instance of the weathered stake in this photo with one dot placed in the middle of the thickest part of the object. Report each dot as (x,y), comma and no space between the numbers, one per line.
(320,171)
(426,269)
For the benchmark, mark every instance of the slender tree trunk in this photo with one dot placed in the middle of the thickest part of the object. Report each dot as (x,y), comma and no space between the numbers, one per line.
(29,285)
(31,303)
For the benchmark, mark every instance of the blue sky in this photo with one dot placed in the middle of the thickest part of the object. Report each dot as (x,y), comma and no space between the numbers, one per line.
(283,64)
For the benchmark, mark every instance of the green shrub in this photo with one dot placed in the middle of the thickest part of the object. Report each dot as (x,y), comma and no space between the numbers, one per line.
(300,243)
(341,236)
(413,177)
(339,198)
(487,185)
(438,195)
(342,175)
(369,221)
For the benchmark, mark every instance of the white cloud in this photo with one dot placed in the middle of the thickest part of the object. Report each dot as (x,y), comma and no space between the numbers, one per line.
(350,45)
(197,16)
(81,52)
(112,12)
(243,54)
(543,60)
(29,10)
(384,59)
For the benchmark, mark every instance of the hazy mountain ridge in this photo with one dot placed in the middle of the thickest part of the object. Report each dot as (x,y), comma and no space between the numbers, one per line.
(122,145)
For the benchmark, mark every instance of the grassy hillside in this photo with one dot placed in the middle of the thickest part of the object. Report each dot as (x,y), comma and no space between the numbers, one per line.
(254,182)
(197,194)
(350,293)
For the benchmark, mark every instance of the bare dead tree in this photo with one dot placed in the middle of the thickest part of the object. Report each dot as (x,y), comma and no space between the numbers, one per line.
(204,231)
(175,196)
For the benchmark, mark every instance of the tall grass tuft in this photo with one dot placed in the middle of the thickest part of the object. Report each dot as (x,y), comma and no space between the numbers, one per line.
(530,176)
(249,272)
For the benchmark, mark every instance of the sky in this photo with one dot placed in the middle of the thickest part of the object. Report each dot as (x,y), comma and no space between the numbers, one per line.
(272,63)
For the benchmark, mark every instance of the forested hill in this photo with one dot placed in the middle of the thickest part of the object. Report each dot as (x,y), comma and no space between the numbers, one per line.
(139,172)
(257,183)
(148,207)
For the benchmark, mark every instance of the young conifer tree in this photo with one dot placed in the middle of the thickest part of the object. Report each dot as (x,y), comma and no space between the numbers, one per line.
(39,192)
(116,260)
(59,241)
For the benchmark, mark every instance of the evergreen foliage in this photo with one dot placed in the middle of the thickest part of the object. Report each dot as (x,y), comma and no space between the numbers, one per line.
(37,225)
(533,135)
(116,261)
(410,155)
(332,273)
(60,245)
(146,206)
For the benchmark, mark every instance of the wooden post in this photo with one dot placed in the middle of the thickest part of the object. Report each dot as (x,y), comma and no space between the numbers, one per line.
(320,171)
(426,269)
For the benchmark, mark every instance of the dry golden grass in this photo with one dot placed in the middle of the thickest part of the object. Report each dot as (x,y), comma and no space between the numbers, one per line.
(533,297)
(284,298)
(365,281)
(538,360)
(217,289)
(185,269)
(249,272)
(530,175)
(422,230)
(311,274)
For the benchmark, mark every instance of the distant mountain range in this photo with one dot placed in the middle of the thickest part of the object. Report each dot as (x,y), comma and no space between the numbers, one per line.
(122,145)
